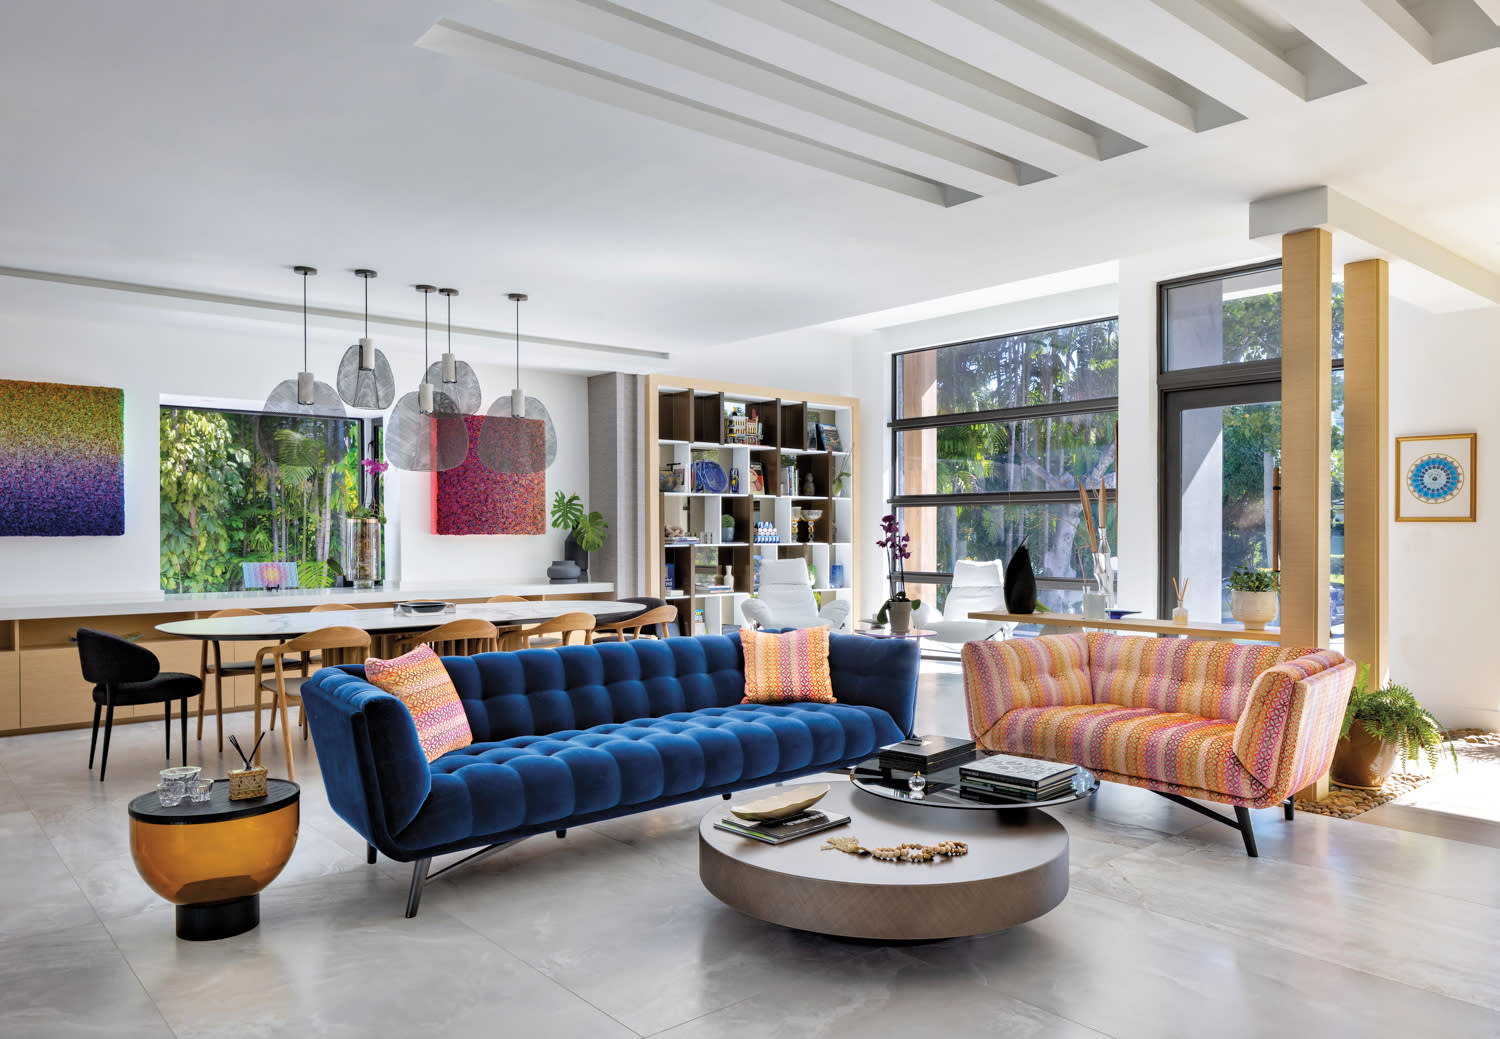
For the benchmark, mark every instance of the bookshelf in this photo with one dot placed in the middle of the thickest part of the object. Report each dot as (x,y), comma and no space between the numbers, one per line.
(714,436)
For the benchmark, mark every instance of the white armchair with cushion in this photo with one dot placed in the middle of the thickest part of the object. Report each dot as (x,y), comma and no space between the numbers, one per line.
(976,586)
(785,599)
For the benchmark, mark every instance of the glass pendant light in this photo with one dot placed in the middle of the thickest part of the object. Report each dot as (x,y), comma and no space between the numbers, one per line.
(498,442)
(426,432)
(365,379)
(455,377)
(302,397)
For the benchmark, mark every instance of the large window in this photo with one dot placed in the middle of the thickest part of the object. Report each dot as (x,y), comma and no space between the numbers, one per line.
(1221,412)
(241,487)
(992,439)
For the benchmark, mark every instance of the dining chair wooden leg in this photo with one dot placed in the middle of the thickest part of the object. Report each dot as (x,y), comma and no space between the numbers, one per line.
(218,698)
(286,735)
(184,713)
(203,684)
(167,717)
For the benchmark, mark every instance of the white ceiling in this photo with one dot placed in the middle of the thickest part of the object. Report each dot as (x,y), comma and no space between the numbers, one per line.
(678,174)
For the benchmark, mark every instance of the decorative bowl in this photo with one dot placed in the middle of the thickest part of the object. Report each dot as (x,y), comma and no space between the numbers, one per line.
(1115,615)
(709,476)
(783,805)
(421,606)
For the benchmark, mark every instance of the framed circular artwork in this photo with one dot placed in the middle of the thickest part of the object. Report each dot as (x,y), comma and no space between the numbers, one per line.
(1435,477)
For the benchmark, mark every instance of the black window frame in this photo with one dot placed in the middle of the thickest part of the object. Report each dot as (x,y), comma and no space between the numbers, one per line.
(897,426)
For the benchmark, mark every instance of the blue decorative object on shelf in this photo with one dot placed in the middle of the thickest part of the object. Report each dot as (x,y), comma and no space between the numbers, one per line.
(708,476)
(734,480)
(1115,615)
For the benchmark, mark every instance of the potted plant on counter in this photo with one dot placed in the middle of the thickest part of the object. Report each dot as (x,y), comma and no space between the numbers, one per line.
(898,609)
(1378,727)
(586,533)
(1254,596)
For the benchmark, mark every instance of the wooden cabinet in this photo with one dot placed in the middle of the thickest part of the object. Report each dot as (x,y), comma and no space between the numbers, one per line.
(713,438)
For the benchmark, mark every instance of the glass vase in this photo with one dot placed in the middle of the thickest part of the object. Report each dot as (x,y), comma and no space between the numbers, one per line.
(362,542)
(1104,571)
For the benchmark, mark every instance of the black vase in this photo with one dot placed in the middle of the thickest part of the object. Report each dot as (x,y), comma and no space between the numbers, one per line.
(1020,583)
(574,552)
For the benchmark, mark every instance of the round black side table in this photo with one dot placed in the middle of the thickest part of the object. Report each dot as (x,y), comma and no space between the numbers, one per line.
(213,859)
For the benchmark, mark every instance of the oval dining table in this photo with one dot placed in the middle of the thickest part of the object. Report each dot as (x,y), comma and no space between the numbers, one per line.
(509,617)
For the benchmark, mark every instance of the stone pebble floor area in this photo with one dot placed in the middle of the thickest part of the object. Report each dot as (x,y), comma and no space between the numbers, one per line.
(1346,802)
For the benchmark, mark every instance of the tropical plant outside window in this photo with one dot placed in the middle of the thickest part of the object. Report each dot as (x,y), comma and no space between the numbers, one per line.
(1221,350)
(992,440)
(242,487)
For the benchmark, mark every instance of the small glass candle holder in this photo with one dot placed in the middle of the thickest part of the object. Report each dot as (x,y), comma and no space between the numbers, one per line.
(917,784)
(175,783)
(201,791)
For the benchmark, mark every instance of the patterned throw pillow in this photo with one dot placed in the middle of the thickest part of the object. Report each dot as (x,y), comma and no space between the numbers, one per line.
(419,680)
(789,667)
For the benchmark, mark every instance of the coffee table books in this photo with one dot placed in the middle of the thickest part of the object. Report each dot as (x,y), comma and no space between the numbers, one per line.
(779,831)
(1018,777)
(926,754)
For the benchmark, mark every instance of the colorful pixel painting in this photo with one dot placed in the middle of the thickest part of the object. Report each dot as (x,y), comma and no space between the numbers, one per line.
(62,460)
(474,499)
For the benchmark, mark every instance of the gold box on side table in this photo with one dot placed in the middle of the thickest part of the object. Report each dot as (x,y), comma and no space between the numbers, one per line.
(247,783)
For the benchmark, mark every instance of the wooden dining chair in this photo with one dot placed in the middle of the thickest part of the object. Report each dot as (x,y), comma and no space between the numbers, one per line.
(563,625)
(632,627)
(220,670)
(460,638)
(338,645)
(507,598)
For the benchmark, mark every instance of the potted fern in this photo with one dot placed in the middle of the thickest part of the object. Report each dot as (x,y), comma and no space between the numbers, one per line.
(586,533)
(1379,726)
(1254,597)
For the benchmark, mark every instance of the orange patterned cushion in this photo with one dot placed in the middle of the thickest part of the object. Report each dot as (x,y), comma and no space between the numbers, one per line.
(420,681)
(788,667)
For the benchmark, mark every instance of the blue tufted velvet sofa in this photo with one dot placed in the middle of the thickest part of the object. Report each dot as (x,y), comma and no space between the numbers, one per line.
(580,734)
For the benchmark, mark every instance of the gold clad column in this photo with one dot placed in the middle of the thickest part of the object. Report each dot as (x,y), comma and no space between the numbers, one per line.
(1306,403)
(1367,472)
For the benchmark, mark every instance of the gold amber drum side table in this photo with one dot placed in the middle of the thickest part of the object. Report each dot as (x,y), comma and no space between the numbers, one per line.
(212,860)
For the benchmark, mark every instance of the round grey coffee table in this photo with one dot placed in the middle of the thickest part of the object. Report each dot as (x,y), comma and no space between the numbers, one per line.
(1016,870)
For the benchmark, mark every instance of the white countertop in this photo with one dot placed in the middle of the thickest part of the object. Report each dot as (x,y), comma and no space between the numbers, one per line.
(40,606)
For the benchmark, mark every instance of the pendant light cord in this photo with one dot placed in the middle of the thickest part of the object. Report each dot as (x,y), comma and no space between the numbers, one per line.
(518,344)
(367,306)
(425,296)
(449,297)
(304,321)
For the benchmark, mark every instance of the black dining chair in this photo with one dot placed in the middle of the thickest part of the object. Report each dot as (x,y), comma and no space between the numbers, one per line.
(125,675)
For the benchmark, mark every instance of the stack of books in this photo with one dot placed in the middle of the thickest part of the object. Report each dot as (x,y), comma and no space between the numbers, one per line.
(779,831)
(926,754)
(1023,778)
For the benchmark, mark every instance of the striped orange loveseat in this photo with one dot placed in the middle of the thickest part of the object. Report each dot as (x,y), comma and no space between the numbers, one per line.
(1241,725)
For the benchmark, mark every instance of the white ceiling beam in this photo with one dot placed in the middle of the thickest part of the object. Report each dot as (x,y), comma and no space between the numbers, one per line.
(1040,51)
(1199,45)
(465,42)
(1325,207)
(662,42)
(1025,126)
(1375,39)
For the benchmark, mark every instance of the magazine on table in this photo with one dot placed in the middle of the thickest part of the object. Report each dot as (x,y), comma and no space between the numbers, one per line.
(1017,771)
(779,831)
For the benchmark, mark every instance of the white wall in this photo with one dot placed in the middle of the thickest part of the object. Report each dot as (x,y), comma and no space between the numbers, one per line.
(148,347)
(1444,595)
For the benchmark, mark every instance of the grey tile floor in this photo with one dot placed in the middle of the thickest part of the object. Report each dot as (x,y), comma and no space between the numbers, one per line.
(1338,929)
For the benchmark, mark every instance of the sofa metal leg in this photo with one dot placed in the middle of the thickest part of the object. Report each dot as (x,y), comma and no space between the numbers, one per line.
(724,796)
(561,834)
(1242,814)
(1240,822)
(1288,807)
(418,879)
(369,854)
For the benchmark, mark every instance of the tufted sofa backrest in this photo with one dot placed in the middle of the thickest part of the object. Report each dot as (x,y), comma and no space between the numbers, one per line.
(1207,678)
(540,691)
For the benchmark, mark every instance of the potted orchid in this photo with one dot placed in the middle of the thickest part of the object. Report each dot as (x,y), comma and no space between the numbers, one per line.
(898,608)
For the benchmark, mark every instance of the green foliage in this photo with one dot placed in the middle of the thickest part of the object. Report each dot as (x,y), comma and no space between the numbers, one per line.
(224,503)
(1393,715)
(1247,579)
(588,529)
